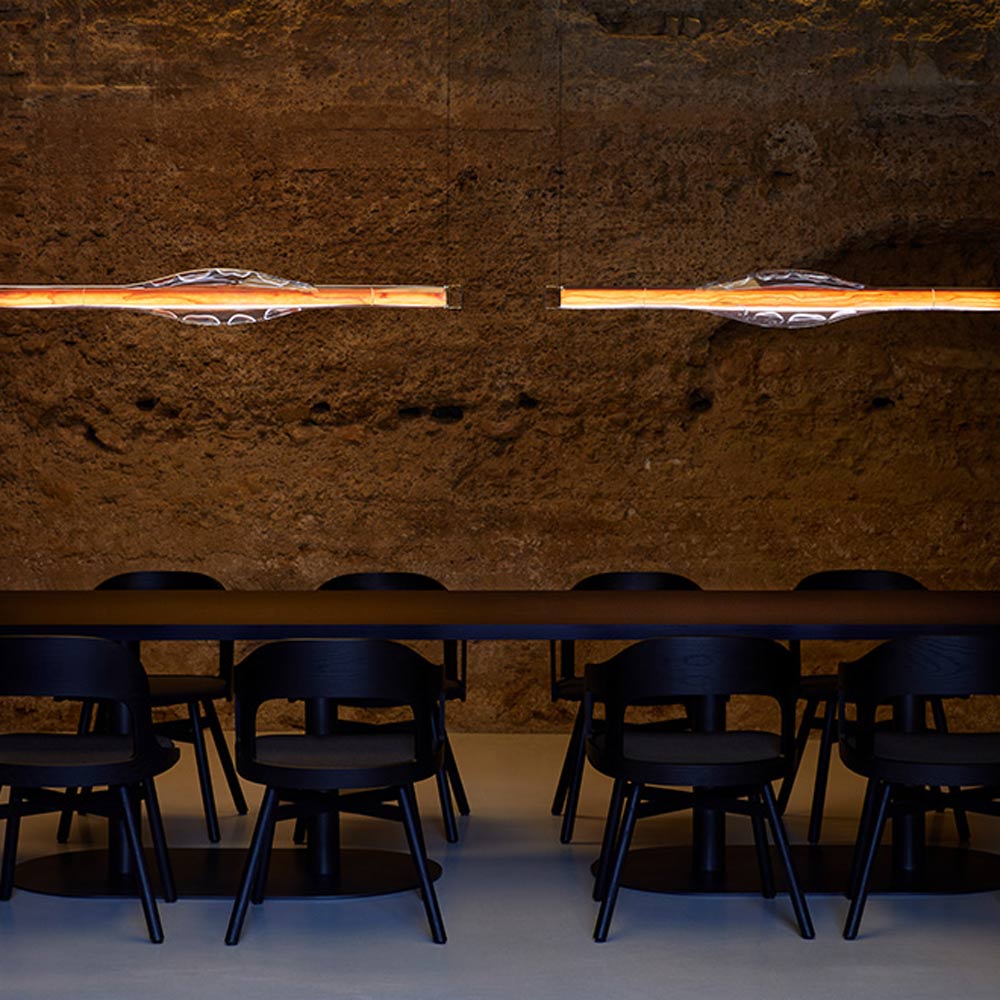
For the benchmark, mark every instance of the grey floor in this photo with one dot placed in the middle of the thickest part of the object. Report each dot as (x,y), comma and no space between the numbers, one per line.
(518,913)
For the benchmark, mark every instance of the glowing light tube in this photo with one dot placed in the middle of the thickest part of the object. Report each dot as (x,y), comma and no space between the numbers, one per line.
(789,298)
(218,296)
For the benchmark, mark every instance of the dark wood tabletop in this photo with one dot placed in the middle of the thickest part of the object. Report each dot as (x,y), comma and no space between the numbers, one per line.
(501,614)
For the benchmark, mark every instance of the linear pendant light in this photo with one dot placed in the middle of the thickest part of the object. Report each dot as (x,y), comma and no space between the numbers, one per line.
(786,298)
(226,296)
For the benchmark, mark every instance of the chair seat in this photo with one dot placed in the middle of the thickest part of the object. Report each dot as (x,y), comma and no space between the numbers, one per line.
(25,754)
(176,689)
(699,748)
(932,758)
(681,758)
(936,748)
(338,752)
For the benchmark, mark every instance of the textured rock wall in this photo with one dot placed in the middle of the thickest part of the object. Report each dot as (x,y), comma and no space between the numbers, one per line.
(502,147)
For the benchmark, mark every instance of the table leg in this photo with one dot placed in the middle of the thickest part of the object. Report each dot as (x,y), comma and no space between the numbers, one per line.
(323,830)
(908,828)
(708,847)
(121,868)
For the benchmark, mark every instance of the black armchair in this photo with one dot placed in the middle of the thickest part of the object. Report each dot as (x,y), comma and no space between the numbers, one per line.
(731,769)
(125,760)
(326,773)
(567,685)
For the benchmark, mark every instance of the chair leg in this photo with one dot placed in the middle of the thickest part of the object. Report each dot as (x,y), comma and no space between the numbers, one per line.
(225,757)
(880,810)
(760,843)
(566,773)
(608,841)
(822,771)
(299,833)
(801,739)
(794,890)
(864,824)
(575,784)
(455,779)
(242,900)
(264,861)
(204,775)
(624,839)
(159,841)
(66,816)
(961,819)
(414,837)
(447,809)
(141,871)
(10,844)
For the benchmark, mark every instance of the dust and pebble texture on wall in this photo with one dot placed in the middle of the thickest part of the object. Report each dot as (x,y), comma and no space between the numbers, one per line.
(502,147)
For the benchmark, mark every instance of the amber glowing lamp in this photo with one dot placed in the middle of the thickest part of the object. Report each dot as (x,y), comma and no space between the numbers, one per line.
(224,296)
(788,298)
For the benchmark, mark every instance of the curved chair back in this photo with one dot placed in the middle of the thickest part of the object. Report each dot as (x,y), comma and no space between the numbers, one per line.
(174,580)
(70,667)
(692,667)
(455,653)
(859,579)
(641,580)
(359,672)
(934,666)
(79,667)
(160,580)
(636,581)
(382,581)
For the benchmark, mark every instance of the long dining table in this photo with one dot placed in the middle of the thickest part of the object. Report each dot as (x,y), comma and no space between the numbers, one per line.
(708,865)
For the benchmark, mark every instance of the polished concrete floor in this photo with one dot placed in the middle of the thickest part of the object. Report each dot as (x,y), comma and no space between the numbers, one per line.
(518,912)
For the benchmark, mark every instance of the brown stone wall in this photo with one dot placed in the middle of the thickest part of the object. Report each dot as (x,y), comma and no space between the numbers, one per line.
(503,147)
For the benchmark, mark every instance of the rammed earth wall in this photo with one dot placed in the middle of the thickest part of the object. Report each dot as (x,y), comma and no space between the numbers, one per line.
(502,147)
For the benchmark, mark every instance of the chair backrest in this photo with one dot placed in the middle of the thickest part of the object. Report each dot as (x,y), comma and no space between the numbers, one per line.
(903,672)
(359,672)
(455,653)
(78,667)
(938,666)
(859,579)
(173,579)
(636,581)
(641,580)
(382,581)
(680,667)
(160,580)
(690,667)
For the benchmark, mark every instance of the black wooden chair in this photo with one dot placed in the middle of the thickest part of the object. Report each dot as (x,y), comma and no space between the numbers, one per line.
(307,774)
(455,659)
(567,685)
(905,765)
(729,769)
(196,692)
(34,764)
(821,690)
